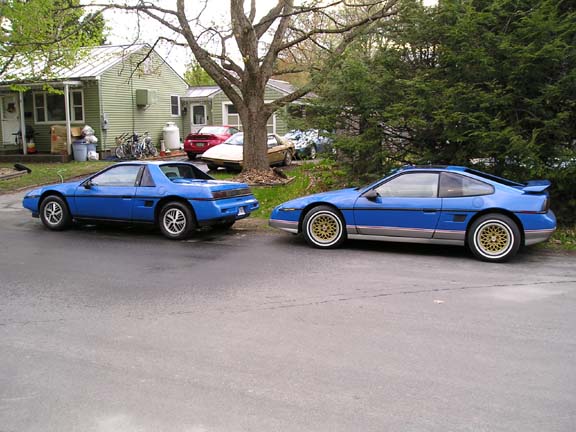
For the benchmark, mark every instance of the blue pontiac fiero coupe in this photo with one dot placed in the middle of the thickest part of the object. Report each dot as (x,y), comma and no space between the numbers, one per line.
(176,196)
(493,216)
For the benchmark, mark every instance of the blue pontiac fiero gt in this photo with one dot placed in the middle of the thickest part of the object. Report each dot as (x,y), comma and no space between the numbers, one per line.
(176,196)
(493,216)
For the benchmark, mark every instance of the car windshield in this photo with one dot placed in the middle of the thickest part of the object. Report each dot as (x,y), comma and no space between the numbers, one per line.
(183,172)
(212,130)
(236,139)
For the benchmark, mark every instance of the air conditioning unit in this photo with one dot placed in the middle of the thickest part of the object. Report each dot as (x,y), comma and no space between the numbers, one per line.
(145,97)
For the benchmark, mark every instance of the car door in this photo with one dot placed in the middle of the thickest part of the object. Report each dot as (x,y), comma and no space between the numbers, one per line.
(404,206)
(109,194)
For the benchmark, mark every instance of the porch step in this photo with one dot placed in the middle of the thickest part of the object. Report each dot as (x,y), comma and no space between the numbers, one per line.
(34,158)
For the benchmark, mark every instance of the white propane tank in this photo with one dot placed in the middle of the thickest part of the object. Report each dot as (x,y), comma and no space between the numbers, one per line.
(171,136)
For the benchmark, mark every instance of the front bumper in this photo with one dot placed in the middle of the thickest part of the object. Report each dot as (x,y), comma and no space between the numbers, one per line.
(284,225)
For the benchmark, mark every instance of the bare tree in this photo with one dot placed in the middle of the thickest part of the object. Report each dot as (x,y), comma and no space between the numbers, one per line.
(243,55)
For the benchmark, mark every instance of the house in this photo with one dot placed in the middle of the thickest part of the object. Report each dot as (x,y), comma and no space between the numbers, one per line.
(113,89)
(209,106)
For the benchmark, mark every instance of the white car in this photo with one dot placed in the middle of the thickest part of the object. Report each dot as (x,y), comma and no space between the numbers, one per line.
(230,153)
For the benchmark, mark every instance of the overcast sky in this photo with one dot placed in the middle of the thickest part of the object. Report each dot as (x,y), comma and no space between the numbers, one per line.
(125,28)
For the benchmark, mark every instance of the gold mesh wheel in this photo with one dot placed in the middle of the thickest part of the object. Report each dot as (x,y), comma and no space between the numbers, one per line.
(324,228)
(493,238)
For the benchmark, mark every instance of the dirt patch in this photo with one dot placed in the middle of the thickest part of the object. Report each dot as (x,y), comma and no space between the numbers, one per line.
(8,173)
(271,177)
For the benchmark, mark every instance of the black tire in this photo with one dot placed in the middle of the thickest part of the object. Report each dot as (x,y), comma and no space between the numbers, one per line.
(324,228)
(313,152)
(224,226)
(54,213)
(287,158)
(494,238)
(191,156)
(212,167)
(176,221)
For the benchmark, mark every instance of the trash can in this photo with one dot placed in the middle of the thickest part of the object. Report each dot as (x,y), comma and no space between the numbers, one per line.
(80,150)
(90,147)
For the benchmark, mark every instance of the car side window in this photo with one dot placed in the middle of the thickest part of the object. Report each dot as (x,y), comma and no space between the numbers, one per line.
(146,180)
(455,185)
(411,185)
(124,175)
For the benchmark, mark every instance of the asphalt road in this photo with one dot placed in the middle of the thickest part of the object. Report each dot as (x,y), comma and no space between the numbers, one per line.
(119,330)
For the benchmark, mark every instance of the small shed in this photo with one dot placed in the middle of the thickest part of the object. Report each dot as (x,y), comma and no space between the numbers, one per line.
(209,106)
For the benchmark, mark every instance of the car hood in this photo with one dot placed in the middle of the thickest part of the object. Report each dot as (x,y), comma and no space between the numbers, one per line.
(225,152)
(65,188)
(331,197)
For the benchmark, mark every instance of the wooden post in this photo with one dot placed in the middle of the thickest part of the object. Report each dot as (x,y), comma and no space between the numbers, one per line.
(22,123)
(67,109)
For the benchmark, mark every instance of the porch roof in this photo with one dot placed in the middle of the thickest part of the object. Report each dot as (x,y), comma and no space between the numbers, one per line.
(94,62)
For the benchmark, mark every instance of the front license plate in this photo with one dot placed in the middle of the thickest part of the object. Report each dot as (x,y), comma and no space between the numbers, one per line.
(241,211)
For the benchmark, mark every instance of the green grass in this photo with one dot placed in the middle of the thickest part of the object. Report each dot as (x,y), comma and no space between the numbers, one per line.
(270,196)
(45,173)
(563,239)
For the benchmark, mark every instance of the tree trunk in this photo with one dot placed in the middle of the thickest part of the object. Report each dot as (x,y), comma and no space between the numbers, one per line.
(254,118)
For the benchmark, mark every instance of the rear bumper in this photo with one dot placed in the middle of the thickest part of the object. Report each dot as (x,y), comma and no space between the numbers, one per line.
(537,236)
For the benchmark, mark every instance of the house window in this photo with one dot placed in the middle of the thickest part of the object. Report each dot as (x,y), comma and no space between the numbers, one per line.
(232,118)
(175,105)
(50,107)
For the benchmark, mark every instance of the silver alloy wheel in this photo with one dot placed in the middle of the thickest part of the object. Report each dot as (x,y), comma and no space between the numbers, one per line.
(174,221)
(53,213)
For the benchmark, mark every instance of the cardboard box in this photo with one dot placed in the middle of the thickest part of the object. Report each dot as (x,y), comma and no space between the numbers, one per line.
(58,138)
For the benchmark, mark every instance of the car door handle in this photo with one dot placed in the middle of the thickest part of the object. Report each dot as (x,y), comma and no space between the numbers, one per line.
(126,196)
(429,210)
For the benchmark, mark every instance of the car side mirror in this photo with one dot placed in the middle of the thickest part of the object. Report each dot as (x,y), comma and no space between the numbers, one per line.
(88,184)
(371,195)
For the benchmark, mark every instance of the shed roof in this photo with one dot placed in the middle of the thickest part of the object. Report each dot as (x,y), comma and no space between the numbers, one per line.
(96,61)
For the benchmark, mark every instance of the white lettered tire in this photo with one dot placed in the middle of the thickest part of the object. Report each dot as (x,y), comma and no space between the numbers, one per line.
(323,227)
(494,238)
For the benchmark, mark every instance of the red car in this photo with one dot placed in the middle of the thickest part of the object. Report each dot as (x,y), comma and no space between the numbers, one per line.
(206,137)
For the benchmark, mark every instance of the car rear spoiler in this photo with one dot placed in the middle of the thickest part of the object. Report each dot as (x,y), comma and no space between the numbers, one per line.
(536,186)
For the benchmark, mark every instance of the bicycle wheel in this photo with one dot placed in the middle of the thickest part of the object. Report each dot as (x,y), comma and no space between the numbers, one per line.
(119,151)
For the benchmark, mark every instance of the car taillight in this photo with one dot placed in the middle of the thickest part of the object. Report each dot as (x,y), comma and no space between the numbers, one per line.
(219,194)
(546,205)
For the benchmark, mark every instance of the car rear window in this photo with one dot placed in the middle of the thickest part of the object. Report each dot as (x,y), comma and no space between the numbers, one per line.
(212,130)
(493,178)
(183,171)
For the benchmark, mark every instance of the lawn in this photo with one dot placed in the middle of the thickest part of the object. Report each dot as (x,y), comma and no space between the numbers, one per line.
(45,173)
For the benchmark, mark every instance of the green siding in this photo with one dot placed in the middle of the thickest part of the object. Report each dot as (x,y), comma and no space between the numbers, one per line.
(119,100)
(271,94)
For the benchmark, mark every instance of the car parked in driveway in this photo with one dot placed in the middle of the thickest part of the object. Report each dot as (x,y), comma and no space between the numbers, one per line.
(176,196)
(450,205)
(205,138)
(309,143)
(230,154)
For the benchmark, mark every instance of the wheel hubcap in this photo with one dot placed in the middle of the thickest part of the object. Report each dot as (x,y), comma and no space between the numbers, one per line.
(174,221)
(494,239)
(324,228)
(53,213)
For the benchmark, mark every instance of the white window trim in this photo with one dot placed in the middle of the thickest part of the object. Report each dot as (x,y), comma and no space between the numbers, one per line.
(179,106)
(71,107)
(192,124)
(239,126)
